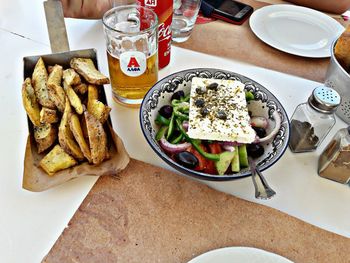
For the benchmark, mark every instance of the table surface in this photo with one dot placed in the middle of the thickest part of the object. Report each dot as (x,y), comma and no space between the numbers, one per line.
(30,223)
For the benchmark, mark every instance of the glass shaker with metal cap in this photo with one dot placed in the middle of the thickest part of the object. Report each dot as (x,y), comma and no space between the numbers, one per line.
(312,120)
(334,162)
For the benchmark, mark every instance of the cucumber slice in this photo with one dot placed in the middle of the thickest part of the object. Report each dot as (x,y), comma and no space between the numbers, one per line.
(243,155)
(235,161)
(224,162)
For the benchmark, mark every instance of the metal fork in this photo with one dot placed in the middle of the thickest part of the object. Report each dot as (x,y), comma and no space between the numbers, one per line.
(262,189)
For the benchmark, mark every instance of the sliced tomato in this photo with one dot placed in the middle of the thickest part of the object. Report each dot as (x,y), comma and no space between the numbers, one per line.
(215,147)
(210,169)
(202,162)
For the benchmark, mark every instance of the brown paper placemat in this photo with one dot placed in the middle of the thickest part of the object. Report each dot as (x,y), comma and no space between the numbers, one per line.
(239,42)
(149,214)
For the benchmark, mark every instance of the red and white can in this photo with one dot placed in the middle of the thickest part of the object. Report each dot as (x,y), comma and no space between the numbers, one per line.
(164,11)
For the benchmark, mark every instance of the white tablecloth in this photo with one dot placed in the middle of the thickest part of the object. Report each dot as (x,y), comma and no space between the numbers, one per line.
(30,223)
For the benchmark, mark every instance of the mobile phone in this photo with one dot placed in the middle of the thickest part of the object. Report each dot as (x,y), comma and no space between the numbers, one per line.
(227,10)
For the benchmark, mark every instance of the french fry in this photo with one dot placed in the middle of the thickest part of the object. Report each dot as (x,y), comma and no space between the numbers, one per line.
(97,138)
(95,107)
(80,88)
(75,127)
(55,89)
(30,103)
(45,135)
(71,77)
(73,98)
(84,128)
(39,81)
(55,76)
(86,68)
(92,92)
(57,159)
(48,115)
(65,136)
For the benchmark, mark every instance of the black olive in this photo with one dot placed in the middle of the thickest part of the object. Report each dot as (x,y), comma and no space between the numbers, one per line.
(261,132)
(178,95)
(186,159)
(221,115)
(255,150)
(199,103)
(166,111)
(200,91)
(213,86)
(204,111)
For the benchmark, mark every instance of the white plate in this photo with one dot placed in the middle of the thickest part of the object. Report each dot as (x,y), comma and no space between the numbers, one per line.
(239,255)
(296,30)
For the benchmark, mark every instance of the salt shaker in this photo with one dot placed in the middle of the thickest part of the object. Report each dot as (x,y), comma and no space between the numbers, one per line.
(334,162)
(312,120)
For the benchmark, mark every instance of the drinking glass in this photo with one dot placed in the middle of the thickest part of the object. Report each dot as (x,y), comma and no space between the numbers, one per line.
(123,2)
(184,18)
(132,51)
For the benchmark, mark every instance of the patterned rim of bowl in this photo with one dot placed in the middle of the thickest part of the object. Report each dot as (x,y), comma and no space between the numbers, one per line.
(170,84)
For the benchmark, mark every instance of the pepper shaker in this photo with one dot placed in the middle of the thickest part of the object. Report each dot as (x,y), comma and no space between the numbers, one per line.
(334,162)
(312,120)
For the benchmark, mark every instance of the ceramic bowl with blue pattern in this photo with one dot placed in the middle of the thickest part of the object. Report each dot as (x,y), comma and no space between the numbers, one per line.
(265,104)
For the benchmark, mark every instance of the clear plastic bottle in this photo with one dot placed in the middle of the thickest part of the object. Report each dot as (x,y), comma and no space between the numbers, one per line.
(312,120)
(334,162)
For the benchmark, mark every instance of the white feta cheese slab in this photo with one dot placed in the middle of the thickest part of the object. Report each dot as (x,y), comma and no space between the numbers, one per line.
(227,117)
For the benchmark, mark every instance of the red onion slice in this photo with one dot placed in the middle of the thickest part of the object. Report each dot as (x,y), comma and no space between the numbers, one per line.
(278,121)
(227,143)
(173,148)
(257,121)
(228,148)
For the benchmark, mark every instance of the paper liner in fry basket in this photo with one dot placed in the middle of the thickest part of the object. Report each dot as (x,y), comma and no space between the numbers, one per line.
(36,180)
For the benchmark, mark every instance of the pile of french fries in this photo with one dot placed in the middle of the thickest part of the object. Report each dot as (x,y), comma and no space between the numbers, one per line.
(67,115)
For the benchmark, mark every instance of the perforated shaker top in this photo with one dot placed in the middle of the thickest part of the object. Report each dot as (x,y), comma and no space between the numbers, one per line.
(325,99)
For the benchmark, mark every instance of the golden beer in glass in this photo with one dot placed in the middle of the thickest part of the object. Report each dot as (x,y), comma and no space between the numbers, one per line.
(132,52)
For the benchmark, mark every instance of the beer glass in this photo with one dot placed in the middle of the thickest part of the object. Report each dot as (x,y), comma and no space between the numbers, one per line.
(132,52)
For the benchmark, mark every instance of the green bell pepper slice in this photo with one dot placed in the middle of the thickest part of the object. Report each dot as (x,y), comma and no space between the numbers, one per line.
(195,143)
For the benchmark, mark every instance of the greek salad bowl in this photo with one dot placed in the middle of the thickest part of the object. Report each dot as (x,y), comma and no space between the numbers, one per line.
(164,124)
